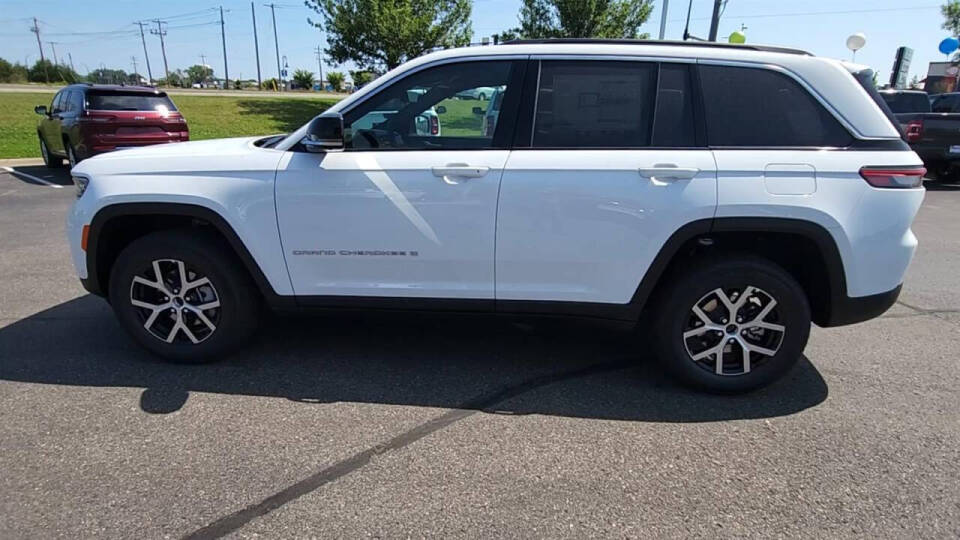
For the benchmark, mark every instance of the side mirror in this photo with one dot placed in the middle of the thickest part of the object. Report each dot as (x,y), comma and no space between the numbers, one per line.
(324,133)
(440,109)
(477,110)
(40,109)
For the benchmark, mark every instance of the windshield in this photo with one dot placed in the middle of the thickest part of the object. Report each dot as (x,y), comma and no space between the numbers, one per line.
(100,100)
(906,102)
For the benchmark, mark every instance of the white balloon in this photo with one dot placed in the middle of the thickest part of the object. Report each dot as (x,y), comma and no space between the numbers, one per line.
(856,41)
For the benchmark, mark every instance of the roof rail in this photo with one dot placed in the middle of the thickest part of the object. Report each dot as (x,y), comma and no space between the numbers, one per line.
(713,44)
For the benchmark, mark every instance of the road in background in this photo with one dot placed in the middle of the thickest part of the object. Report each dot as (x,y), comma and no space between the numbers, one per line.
(354,425)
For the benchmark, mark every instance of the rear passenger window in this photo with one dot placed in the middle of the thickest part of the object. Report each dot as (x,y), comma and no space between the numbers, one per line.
(945,104)
(760,107)
(673,122)
(584,104)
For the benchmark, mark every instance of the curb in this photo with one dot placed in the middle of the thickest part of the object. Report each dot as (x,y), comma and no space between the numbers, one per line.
(20,162)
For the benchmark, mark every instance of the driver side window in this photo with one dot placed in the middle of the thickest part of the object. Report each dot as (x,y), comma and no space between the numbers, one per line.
(449,107)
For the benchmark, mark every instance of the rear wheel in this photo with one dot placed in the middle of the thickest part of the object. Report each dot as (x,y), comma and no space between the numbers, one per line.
(183,296)
(49,159)
(732,325)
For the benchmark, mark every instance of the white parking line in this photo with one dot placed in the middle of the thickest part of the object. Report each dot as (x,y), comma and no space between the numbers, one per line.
(32,177)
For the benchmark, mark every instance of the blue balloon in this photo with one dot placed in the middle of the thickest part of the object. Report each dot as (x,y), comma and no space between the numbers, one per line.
(949,45)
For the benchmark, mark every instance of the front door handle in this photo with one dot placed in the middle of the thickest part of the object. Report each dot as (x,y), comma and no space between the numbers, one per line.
(669,171)
(453,171)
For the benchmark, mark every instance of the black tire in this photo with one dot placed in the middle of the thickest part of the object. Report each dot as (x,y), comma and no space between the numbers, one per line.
(482,97)
(204,255)
(675,315)
(72,158)
(50,160)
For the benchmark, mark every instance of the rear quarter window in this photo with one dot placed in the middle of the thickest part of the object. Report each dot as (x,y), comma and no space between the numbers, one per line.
(119,101)
(763,108)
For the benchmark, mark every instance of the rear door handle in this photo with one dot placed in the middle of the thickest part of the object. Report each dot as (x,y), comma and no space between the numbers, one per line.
(452,171)
(668,171)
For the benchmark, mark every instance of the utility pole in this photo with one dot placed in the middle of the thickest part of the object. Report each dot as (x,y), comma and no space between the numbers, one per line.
(145,55)
(663,18)
(319,52)
(276,44)
(223,38)
(36,30)
(161,32)
(70,56)
(136,76)
(256,45)
(715,20)
(53,45)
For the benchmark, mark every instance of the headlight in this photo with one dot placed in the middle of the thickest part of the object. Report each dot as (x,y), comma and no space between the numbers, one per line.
(81,183)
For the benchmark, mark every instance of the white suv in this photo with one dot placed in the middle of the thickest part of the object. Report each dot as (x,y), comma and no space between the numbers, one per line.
(725,196)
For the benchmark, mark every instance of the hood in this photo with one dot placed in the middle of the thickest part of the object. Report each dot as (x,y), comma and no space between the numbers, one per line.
(194,156)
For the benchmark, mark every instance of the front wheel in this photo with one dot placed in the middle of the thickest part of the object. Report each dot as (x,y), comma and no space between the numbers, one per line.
(183,296)
(50,160)
(732,325)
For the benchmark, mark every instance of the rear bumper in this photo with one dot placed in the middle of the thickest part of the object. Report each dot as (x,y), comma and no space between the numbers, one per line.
(850,310)
(108,143)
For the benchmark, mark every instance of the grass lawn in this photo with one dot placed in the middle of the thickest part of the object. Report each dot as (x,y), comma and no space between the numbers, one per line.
(209,117)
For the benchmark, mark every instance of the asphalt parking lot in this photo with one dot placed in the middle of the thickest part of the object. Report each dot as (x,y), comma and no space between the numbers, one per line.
(356,425)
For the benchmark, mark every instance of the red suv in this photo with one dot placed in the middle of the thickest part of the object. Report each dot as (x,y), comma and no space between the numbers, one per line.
(88,119)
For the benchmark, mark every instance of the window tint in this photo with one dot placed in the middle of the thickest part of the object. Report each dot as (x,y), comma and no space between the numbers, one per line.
(673,122)
(583,104)
(906,102)
(760,107)
(76,101)
(446,107)
(946,103)
(128,101)
(55,104)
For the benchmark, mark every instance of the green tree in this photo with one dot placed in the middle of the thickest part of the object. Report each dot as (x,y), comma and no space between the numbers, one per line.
(199,74)
(12,73)
(107,76)
(951,17)
(303,78)
(361,78)
(335,78)
(47,71)
(380,35)
(541,19)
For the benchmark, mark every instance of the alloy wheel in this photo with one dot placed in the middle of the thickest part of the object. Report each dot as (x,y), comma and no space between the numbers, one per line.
(176,303)
(730,331)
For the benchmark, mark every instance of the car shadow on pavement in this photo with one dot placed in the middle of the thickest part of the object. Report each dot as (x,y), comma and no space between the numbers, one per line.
(60,176)
(498,365)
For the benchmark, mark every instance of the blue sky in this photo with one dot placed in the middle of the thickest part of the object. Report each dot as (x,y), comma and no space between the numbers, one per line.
(820,26)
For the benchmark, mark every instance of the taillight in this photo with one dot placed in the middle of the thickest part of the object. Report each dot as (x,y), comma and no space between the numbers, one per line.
(434,125)
(893,177)
(914,130)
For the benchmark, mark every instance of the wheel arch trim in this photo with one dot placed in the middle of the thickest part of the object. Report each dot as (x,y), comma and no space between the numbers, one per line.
(105,214)
(819,235)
